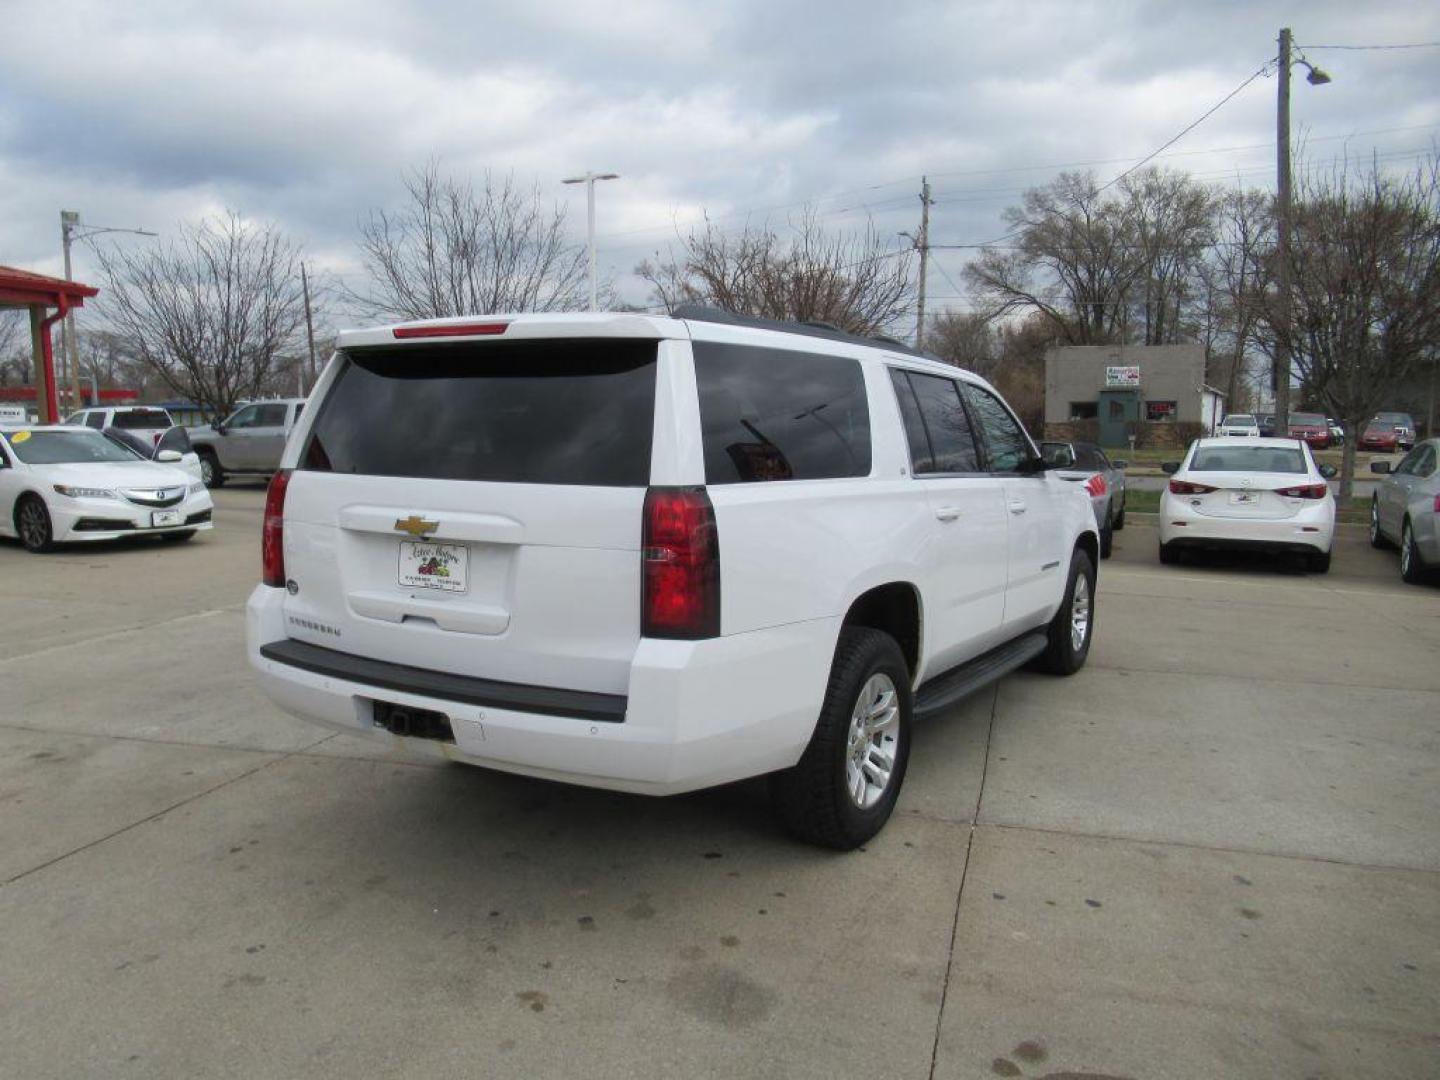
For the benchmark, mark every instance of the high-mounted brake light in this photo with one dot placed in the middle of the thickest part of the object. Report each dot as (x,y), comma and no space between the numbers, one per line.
(1186,487)
(1305,491)
(272,532)
(680,565)
(470,329)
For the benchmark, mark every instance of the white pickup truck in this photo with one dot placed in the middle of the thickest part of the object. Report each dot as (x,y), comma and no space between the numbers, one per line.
(249,441)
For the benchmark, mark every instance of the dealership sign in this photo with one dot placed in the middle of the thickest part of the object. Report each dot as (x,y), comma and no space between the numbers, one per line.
(1128,377)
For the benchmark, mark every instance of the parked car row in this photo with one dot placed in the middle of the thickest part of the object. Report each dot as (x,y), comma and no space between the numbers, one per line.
(1387,432)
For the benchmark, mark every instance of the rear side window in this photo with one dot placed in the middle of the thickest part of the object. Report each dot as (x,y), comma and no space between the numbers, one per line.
(95,420)
(552,412)
(936,423)
(773,414)
(1006,445)
(131,419)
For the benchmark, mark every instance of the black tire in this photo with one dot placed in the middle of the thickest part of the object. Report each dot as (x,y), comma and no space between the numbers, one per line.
(1412,567)
(812,799)
(1107,536)
(1119,522)
(32,524)
(1377,538)
(1062,656)
(1319,563)
(1169,554)
(211,475)
(178,537)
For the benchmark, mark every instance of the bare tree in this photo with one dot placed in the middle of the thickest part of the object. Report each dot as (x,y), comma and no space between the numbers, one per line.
(852,280)
(452,250)
(210,313)
(1169,221)
(965,339)
(1073,261)
(1234,277)
(14,347)
(1365,293)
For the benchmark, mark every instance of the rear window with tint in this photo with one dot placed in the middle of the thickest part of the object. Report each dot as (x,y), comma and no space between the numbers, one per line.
(773,414)
(553,412)
(1231,458)
(131,419)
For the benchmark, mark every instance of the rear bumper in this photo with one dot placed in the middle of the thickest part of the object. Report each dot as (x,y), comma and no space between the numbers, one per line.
(1311,529)
(696,714)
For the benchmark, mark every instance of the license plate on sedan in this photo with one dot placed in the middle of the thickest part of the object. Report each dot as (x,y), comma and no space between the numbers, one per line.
(445,567)
(160,519)
(1240,498)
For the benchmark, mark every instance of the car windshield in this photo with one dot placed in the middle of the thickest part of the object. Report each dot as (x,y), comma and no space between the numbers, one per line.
(1307,419)
(66,447)
(131,419)
(1239,420)
(1230,458)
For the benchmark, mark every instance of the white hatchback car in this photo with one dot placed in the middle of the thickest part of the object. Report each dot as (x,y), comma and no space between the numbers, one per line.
(64,484)
(1260,494)
(660,554)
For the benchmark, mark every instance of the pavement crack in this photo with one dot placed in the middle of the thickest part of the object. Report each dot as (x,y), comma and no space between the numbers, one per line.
(277,759)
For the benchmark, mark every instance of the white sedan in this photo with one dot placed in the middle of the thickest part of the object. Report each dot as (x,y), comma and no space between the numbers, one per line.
(1262,494)
(64,484)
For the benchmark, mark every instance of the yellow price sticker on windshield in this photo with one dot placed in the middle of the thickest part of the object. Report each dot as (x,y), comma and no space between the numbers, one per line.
(19,436)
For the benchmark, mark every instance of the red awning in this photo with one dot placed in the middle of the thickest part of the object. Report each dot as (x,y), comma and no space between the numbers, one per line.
(21,288)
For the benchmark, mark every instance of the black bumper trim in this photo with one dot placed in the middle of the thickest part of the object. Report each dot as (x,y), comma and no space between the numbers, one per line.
(519,697)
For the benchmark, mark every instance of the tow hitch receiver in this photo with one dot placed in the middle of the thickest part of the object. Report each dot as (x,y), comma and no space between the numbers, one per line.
(413,723)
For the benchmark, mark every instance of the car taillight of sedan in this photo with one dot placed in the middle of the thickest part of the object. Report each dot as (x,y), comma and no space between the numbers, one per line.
(1304,491)
(1185,487)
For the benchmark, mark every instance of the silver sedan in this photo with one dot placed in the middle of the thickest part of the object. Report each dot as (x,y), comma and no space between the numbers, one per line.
(1084,462)
(1403,510)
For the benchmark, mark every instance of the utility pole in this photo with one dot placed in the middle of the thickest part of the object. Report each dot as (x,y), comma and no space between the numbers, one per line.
(69,219)
(923,243)
(589,181)
(309,326)
(1282,240)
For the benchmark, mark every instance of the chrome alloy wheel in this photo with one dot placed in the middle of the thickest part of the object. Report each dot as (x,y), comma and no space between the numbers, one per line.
(34,526)
(1080,613)
(873,741)
(1406,543)
(1374,521)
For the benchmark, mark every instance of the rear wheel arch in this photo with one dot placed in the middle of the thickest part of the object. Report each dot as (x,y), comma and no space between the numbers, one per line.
(1089,543)
(895,609)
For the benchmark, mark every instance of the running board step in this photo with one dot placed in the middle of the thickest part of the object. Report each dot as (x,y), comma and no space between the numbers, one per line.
(945,690)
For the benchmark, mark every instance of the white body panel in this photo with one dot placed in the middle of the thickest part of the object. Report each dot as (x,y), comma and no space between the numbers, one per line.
(555,582)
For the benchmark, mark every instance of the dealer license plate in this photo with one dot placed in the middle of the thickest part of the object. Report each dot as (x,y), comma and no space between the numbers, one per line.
(1240,498)
(159,519)
(434,566)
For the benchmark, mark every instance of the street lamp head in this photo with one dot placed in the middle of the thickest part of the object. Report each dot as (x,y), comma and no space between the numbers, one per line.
(1316,77)
(608,176)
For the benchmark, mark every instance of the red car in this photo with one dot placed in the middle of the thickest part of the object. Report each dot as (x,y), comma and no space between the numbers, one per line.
(1312,427)
(1383,437)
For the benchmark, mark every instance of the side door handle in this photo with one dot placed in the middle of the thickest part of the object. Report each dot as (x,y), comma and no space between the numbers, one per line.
(1017,506)
(947,513)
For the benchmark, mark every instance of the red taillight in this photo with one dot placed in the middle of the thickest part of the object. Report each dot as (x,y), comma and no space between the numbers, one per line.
(1185,487)
(1304,491)
(471,329)
(1095,485)
(680,564)
(272,532)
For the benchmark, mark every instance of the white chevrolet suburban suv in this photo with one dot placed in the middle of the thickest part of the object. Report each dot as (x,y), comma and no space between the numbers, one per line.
(660,554)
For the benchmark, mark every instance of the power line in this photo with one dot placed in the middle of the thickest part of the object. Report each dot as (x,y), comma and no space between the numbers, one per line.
(1191,126)
(1380,48)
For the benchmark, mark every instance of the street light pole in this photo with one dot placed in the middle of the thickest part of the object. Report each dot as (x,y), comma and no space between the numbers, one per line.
(69,223)
(1316,77)
(589,181)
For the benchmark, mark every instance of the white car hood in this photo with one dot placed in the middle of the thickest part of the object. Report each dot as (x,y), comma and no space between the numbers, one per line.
(114,474)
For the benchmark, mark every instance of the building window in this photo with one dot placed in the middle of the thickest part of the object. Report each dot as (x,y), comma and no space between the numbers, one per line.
(1160,411)
(1083,410)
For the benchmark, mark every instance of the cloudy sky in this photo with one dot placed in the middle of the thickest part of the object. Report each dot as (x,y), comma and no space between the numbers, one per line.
(305,112)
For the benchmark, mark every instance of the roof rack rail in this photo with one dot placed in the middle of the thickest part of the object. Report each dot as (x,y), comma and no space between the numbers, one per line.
(813,328)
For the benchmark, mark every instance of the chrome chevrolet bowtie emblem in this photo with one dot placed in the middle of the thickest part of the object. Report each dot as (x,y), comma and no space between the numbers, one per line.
(415,526)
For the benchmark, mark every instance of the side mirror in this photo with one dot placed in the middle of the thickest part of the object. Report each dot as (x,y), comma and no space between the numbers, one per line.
(219,427)
(169,457)
(1328,471)
(1170,468)
(1380,466)
(1120,463)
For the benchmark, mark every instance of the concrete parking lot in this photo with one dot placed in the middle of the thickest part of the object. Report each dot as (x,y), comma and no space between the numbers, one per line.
(1213,853)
